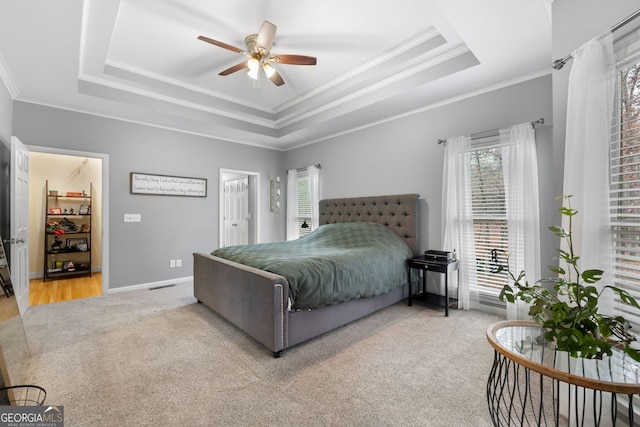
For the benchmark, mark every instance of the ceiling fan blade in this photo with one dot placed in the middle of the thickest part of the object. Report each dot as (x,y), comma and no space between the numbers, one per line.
(276,78)
(233,69)
(220,44)
(266,35)
(294,59)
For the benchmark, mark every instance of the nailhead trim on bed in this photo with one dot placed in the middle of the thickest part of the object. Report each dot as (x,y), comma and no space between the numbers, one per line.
(398,212)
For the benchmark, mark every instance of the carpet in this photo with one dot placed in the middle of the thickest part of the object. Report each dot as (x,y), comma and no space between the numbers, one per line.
(158,358)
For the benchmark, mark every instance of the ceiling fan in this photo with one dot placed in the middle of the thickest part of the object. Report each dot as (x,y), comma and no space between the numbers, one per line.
(258,50)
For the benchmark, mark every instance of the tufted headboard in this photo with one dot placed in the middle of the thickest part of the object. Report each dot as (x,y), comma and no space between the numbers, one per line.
(398,212)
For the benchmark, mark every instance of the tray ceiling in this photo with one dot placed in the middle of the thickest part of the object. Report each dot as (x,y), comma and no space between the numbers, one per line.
(140,60)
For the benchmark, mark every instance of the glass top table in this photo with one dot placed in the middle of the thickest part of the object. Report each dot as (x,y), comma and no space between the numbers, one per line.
(523,342)
(526,365)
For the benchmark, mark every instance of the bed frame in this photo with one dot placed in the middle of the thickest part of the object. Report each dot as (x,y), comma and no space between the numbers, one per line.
(256,301)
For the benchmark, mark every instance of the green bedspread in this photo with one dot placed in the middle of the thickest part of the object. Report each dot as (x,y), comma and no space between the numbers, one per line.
(333,264)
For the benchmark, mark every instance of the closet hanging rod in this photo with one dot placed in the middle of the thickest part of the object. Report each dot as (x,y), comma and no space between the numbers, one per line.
(495,132)
(559,63)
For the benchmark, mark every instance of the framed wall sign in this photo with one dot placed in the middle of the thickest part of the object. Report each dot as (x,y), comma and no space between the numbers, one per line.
(166,185)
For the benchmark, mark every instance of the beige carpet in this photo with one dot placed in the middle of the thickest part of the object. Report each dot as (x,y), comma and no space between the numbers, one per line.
(157,358)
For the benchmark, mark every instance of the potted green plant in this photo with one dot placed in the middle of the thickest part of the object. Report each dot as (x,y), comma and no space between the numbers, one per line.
(568,310)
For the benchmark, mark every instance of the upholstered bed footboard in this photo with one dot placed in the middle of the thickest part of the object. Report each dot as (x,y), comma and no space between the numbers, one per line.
(253,300)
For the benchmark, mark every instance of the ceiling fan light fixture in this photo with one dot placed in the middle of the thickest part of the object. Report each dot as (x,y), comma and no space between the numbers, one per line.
(254,68)
(268,70)
(253,74)
(258,49)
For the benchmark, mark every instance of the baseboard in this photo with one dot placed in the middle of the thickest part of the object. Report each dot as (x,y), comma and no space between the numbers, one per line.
(150,285)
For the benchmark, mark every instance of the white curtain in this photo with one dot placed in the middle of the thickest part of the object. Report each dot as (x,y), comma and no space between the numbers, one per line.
(457,221)
(519,161)
(292,204)
(586,164)
(520,169)
(314,195)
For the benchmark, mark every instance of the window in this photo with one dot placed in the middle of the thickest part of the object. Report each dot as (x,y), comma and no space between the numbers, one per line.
(489,213)
(490,206)
(302,201)
(625,176)
(304,204)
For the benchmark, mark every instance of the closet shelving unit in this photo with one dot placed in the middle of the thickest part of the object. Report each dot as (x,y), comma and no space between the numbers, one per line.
(67,235)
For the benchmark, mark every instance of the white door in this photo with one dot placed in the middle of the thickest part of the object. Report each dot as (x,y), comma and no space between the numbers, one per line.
(236,216)
(20,223)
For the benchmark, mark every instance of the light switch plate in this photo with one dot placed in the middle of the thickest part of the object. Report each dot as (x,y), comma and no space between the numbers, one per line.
(132,217)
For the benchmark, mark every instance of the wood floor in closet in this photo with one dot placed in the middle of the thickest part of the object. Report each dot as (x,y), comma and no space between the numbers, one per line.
(51,291)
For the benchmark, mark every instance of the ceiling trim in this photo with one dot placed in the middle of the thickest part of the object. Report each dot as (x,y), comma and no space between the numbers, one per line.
(420,45)
(179,83)
(173,100)
(376,86)
(7,79)
(416,48)
(434,105)
(461,97)
(111,116)
(411,44)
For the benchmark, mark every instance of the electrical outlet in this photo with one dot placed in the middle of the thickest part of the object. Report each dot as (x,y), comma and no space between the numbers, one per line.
(178,263)
(172,263)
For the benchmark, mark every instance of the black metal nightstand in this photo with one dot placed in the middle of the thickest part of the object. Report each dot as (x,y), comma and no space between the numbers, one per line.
(427,263)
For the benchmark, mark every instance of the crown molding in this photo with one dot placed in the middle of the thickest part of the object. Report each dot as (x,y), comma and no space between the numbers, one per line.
(7,79)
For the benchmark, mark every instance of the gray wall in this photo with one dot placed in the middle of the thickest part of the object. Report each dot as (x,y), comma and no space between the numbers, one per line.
(403,156)
(171,227)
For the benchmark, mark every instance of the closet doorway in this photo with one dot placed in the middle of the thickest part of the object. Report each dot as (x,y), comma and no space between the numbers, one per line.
(66,171)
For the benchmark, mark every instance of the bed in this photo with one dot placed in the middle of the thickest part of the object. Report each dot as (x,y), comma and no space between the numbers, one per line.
(267,307)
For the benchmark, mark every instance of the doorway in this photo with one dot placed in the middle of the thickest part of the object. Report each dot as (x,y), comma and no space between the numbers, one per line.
(67,171)
(238,207)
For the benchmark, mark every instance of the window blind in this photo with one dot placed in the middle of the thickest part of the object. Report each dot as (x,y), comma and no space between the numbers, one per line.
(489,213)
(625,188)
(304,202)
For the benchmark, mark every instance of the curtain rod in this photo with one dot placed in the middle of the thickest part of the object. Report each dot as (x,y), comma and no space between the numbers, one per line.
(559,63)
(491,132)
(301,169)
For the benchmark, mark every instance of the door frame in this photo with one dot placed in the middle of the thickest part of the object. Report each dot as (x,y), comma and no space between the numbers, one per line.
(104,264)
(255,215)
